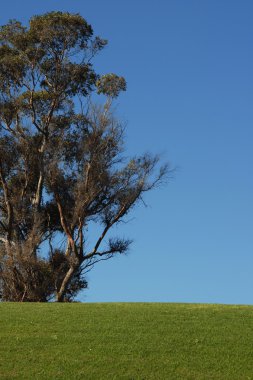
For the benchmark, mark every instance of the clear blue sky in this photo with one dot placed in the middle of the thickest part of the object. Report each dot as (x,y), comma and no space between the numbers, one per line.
(189,69)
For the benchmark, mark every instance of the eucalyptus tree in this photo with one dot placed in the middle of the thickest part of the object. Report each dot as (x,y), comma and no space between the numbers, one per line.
(62,166)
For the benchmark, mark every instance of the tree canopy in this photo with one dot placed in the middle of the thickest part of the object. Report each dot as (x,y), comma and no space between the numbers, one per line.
(62,164)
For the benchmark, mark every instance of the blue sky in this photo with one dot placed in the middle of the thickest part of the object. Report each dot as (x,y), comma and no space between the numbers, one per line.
(188,65)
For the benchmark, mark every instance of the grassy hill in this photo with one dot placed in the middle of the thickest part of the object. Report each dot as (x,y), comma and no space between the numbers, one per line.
(125,341)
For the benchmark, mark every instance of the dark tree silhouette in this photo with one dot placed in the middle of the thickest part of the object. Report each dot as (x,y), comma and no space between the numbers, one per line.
(61,159)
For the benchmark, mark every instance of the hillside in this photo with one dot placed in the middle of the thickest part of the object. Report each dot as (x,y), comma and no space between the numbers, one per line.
(125,341)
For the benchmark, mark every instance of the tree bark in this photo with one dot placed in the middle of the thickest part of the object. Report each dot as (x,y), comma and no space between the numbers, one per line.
(60,295)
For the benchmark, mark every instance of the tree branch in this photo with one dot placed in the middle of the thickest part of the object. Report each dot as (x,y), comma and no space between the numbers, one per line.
(102,236)
(65,226)
(8,205)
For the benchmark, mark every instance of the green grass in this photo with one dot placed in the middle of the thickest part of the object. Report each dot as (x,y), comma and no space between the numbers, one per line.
(125,341)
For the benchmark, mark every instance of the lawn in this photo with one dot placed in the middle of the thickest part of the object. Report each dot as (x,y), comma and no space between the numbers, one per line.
(125,341)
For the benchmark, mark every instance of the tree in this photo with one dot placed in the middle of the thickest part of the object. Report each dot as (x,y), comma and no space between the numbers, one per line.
(61,159)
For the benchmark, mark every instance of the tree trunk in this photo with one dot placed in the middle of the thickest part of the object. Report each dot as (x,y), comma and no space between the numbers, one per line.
(60,295)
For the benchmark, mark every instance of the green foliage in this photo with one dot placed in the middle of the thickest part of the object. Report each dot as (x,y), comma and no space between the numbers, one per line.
(111,85)
(126,341)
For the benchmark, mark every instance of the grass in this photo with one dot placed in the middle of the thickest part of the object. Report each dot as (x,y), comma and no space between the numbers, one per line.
(125,341)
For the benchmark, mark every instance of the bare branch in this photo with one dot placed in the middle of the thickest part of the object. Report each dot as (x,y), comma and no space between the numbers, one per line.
(8,205)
